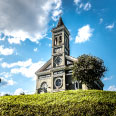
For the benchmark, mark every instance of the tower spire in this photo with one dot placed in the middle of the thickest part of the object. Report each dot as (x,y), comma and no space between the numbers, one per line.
(60,22)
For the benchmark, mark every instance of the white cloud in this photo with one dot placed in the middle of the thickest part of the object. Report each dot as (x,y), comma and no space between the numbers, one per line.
(70,38)
(20,35)
(17,36)
(87,6)
(100,20)
(26,68)
(5,74)
(58,4)
(50,38)
(6,51)
(2,38)
(1,59)
(107,78)
(110,26)
(19,91)
(5,82)
(19,63)
(57,10)
(11,82)
(84,34)
(29,71)
(55,14)
(82,6)
(2,93)
(35,49)
(27,19)
(76,1)
(112,88)
(49,45)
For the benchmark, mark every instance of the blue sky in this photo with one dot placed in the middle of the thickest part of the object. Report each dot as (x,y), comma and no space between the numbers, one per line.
(25,37)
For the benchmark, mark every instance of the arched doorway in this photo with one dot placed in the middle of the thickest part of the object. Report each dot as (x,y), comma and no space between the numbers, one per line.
(44,87)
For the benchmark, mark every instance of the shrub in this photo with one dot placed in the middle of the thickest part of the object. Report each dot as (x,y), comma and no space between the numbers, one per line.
(65,103)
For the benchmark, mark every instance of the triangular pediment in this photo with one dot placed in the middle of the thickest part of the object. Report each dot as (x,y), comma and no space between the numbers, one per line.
(45,67)
(48,67)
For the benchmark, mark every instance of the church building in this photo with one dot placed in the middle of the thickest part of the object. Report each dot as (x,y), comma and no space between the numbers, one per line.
(56,74)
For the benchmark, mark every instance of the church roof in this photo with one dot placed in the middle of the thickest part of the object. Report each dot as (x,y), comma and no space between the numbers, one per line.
(71,58)
(60,22)
(47,66)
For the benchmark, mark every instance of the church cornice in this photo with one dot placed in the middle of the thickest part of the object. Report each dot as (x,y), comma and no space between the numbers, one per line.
(71,58)
(56,29)
(61,68)
(43,73)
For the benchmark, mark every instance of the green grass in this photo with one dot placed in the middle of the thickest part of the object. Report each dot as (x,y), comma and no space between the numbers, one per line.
(66,103)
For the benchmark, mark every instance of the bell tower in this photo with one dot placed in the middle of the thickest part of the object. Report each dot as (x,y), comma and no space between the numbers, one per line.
(60,44)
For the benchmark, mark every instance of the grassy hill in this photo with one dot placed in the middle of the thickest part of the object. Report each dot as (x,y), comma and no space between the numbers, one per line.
(66,103)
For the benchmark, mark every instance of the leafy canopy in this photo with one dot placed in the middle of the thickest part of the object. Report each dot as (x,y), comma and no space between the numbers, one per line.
(88,69)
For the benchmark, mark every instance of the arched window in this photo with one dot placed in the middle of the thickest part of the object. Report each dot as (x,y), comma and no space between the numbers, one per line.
(60,39)
(55,41)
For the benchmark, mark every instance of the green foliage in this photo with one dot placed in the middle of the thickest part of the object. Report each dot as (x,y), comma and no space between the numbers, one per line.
(6,94)
(88,69)
(65,103)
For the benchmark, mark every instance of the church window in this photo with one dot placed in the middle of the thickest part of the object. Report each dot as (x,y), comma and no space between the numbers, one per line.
(77,85)
(54,64)
(58,60)
(58,72)
(44,85)
(60,39)
(67,43)
(58,82)
(44,76)
(55,41)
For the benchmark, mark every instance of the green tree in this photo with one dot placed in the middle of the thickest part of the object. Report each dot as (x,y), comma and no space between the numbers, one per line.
(22,93)
(88,69)
(7,94)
